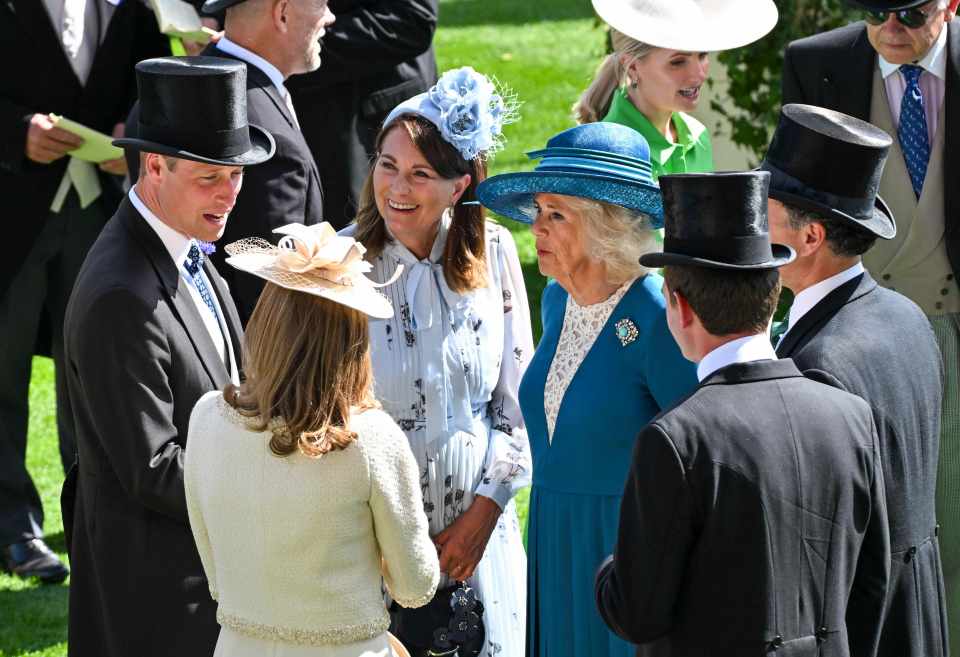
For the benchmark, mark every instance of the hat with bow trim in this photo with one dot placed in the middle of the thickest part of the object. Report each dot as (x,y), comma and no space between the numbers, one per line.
(830,164)
(315,260)
(602,161)
(717,221)
(690,25)
(195,108)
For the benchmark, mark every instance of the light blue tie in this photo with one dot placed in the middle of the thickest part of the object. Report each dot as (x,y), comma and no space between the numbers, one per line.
(914,140)
(194,265)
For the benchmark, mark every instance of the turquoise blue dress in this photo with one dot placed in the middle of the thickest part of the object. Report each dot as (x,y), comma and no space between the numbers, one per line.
(578,477)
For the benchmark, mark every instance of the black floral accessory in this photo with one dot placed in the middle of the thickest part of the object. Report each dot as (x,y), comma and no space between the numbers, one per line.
(450,625)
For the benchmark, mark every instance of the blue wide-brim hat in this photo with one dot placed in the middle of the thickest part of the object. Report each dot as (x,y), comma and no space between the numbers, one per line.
(605,162)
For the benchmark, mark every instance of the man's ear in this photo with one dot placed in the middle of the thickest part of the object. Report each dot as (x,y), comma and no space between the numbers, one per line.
(152,166)
(281,15)
(684,310)
(814,237)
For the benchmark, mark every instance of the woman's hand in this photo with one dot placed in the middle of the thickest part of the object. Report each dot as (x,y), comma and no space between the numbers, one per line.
(461,545)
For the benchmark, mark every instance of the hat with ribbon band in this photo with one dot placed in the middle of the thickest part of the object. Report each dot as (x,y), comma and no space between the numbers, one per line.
(604,162)
(830,164)
(315,260)
(195,108)
(717,221)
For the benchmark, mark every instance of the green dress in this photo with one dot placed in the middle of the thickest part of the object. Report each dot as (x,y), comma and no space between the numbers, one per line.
(692,154)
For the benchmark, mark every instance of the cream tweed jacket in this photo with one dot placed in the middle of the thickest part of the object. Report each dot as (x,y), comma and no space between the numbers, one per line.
(293,546)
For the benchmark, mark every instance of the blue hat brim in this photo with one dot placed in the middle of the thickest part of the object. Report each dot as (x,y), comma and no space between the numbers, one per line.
(511,194)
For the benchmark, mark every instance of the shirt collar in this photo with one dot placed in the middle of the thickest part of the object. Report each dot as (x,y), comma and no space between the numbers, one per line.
(402,253)
(623,111)
(935,61)
(810,297)
(741,350)
(231,48)
(176,243)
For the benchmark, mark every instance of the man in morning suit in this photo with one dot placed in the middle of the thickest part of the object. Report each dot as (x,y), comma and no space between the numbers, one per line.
(275,39)
(151,328)
(72,58)
(378,54)
(825,170)
(753,515)
(901,72)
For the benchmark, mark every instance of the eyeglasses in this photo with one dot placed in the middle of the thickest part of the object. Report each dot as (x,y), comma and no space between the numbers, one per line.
(913,17)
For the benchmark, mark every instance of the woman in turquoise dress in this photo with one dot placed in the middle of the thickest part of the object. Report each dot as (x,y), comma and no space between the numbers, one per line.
(606,364)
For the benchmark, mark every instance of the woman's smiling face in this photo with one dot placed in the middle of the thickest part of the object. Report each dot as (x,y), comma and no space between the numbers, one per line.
(670,80)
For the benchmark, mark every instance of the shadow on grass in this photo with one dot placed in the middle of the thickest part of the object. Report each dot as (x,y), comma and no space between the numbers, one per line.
(32,619)
(467,13)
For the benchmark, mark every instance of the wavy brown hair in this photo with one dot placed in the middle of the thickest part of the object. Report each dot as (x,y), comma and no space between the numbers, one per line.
(464,254)
(307,361)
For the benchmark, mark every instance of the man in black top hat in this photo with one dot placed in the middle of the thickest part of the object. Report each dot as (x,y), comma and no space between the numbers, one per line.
(753,513)
(825,169)
(151,327)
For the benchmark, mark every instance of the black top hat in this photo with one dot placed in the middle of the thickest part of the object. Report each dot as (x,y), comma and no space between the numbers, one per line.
(888,5)
(195,108)
(718,221)
(216,6)
(830,164)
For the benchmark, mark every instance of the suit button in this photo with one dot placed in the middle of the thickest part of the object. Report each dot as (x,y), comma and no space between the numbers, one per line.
(908,555)
(822,634)
(949,277)
(886,277)
(944,291)
(776,643)
(936,530)
(938,305)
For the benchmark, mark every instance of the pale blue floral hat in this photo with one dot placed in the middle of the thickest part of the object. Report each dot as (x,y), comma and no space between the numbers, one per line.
(468,109)
(605,162)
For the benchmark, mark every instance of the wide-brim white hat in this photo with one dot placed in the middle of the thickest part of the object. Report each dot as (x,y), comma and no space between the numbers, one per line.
(690,25)
(315,260)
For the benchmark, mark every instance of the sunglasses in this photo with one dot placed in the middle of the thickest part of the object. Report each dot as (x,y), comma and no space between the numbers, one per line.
(913,17)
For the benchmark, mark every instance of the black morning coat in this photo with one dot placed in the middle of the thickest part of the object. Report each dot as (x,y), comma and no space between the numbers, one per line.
(376,55)
(753,517)
(879,346)
(139,358)
(38,79)
(835,70)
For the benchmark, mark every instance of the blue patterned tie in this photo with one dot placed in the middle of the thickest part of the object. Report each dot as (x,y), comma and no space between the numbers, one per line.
(194,265)
(913,128)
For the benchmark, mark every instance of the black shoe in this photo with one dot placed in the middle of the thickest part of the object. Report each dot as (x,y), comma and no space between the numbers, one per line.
(32,558)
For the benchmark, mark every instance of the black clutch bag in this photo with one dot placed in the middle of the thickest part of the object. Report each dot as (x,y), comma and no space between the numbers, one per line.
(450,625)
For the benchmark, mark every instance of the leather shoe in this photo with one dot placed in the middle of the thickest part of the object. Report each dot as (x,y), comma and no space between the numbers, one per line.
(33,558)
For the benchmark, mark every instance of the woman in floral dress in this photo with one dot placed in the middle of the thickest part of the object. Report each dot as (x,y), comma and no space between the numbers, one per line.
(447,366)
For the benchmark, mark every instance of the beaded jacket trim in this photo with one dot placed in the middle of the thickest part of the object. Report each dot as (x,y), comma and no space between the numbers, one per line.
(332,636)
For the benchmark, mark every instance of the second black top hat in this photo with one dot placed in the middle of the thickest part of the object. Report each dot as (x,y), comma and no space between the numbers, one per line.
(718,221)
(195,108)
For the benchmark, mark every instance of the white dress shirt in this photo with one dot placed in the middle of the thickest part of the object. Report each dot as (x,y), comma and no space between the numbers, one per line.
(741,350)
(250,57)
(933,83)
(810,297)
(178,245)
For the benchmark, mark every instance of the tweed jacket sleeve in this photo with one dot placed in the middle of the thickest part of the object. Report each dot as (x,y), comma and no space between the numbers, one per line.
(409,562)
(129,397)
(637,588)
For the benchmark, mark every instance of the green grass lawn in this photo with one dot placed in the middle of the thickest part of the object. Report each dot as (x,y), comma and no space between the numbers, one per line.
(546,52)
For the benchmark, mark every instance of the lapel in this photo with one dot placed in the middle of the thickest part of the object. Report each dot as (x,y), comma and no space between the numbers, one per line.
(257,79)
(820,314)
(848,76)
(175,288)
(758,370)
(952,146)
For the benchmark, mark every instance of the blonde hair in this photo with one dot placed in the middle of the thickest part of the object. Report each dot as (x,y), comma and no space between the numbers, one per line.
(465,252)
(595,102)
(616,236)
(307,361)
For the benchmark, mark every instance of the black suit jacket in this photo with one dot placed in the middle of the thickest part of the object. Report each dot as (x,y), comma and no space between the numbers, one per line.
(753,518)
(138,358)
(37,78)
(835,70)
(879,346)
(377,54)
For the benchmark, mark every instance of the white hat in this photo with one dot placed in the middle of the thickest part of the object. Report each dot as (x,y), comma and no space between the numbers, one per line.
(690,25)
(315,260)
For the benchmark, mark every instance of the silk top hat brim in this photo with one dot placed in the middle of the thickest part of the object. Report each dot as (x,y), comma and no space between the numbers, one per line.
(830,164)
(886,6)
(690,25)
(195,108)
(604,162)
(717,221)
(216,6)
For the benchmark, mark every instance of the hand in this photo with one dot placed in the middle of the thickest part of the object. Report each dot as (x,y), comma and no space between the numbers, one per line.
(196,47)
(117,167)
(46,143)
(462,544)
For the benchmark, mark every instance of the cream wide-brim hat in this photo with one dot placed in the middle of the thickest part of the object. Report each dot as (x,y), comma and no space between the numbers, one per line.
(314,260)
(690,25)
